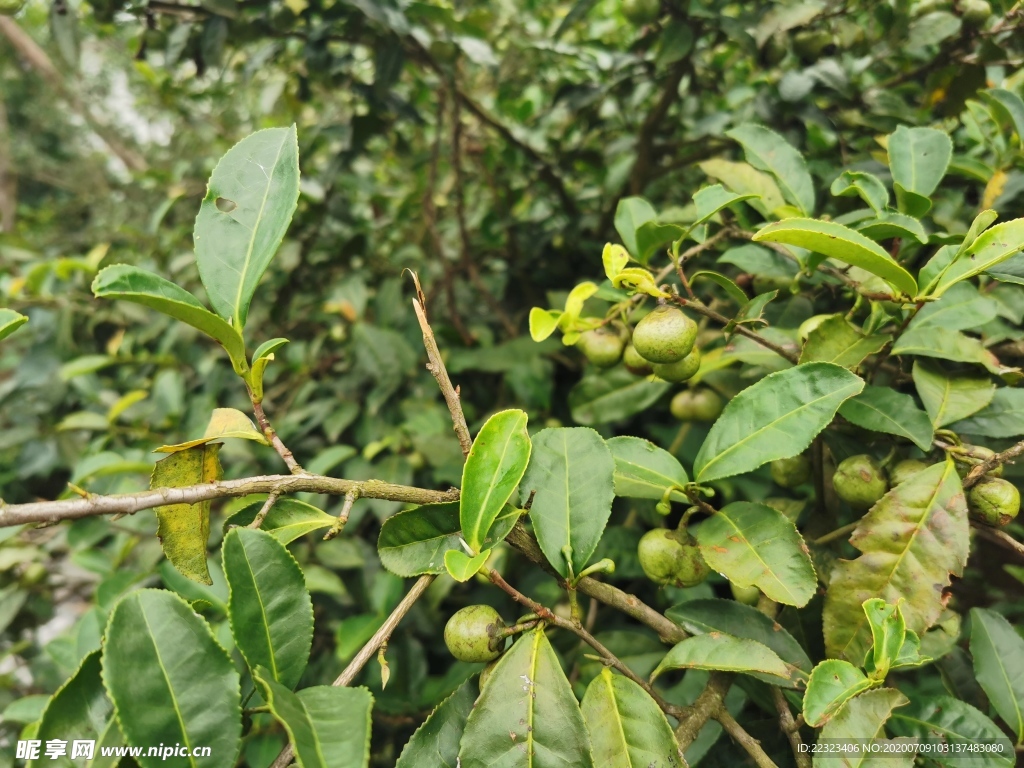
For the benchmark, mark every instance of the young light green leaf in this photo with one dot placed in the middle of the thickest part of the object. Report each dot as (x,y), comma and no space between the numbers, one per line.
(627,728)
(269,606)
(286,521)
(195,696)
(767,151)
(184,529)
(461,566)
(950,398)
(224,423)
(571,471)
(883,409)
(249,203)
(755,545)
(865,185)
(888,631)
(527,715)
(543,322)
(717,651)
(911,541)
(436,742)
(774,419)
(645,471)
(843,244)
(630,214)
(614,258)
(981,222)
(493,469)
(833,683)
(864,717)
(612,396)
(838,341)
(260,360)
(951,728)
(127,283)
(918,159)
(10,321)
(992,247)
(759,188)
(328,726)
(1002,417)
(998,653)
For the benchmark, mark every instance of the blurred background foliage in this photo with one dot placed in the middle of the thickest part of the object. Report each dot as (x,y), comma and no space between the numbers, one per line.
(484,145)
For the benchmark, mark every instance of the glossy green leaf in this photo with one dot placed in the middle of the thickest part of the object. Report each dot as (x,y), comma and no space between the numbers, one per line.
(774,419)
(758,260)
(184,529)
(992,247)
(436,742)
(743,179)
(461,566)
(1010,105)
(287,520)
(127,283)
(717,651)
(1003,417)
(864,717)
(841,243)
(269,607)
(10,321)
(627,728)
(838,341)
(918,159)
(733,291)
(950,398)
(527,715)
(328,726)
(645,471)
(833,683)
(755,545)
(962,307)
(493,469)
(630,214)
(170,681)
(248,206)
(998,653)
(865,185)
(767,151)
(882,409)
(889,224)
(710,200)
(655,235)
(911,541)
(612,396)
(943,720)
(948,345)
(571,471)
(224,423)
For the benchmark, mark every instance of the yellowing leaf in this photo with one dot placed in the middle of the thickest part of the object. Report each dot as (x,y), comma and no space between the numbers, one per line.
(224,423)
(993,189)
(614,259)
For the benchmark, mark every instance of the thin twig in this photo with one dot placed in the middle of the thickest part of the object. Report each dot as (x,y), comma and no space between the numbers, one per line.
(789,727)
(708,704)
(271,434)
(996,536)
(742,330)
(262,514)
(838,533)
(987,466)
(744,739)
(346,510)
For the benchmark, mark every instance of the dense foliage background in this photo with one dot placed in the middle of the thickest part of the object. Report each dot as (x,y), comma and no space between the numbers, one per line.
(486,146)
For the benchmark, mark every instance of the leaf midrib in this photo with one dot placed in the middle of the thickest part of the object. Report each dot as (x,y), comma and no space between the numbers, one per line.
(263,612)
(746,540)
(1019,727)
(491,484)
(167,680)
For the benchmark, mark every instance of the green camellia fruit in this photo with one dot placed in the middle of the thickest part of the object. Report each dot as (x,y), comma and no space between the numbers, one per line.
(746,595)
(469,632)
(791,472)
(994,501)
(665,335)
(601,347)
(975,12)
(701,404)
(859,481)
(667,560)
(679,371)
(641,12)
(634,363)
(904,470)
(808,326)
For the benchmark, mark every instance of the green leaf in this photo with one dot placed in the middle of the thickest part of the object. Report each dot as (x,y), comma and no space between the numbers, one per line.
(717,651)
(918,159)
(249,203)
(981,222)
(864,717)
(833,683)
(767,151)
(727,284)
(942,720)
(170,681)
(961,308)
(867,186)
(645,471)
(888,631)
(759,188)
(755,545)
(948,345)
(571,471)
(614,259)
(710,200)
(889,224)
(1002,417)
(843,244)
(627,728)
(269,607)
(612,396)
(493,469)
(328,726)
(911,541)
(1009,105)
(260,360)
(998,653)
(184,529)
(883,409)
(461,566)
(543,322)
(138,286)
(414,542)
(653,235)
(950,398)
(774,419)
(992,247)
(224,423)
(286,521)
(838,341)
(758,260)
(527,715)
(436,742)
(10,321)
(630,214)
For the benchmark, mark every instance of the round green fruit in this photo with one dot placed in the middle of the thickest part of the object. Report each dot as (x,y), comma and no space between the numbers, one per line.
(640,12)
(601,347)
(746,595)
(859,481)
(667,560)
(975,12)
(634,363)
(904,470)
(791,472)
(469,632)
(665,335)
(701,404)
(808,326)
(994,501)
(679,371)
